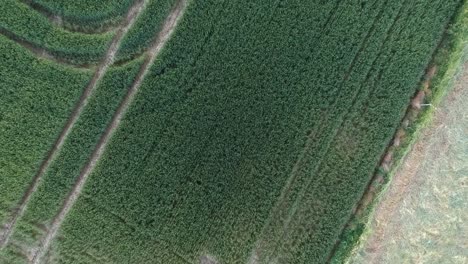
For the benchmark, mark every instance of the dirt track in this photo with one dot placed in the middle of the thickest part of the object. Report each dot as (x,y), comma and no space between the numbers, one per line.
(100,71)
(163,36)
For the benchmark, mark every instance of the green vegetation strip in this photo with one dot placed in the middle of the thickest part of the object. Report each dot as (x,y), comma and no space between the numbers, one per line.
(273,117)
(31,26)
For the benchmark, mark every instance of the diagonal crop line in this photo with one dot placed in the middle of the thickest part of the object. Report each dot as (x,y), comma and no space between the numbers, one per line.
(162,38)
(338,243)
(131,16)
(48,54)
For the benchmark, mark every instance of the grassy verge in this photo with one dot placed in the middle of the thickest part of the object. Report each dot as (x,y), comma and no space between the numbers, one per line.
(446,61)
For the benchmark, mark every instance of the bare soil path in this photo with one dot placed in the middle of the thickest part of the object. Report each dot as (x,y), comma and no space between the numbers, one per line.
(131,16)
(162,38)
(422,217)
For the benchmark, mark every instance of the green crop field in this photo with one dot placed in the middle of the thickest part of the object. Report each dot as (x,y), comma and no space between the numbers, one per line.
(199,131)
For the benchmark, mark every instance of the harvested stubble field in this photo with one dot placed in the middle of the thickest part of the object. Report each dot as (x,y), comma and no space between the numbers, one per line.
(199,131)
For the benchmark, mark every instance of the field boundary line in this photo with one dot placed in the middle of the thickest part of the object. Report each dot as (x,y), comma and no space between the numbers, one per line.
(131,16)
(162,38)
(57,20)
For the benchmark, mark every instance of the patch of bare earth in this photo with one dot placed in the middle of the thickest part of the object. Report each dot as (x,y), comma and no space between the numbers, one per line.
(422,217)
(205,259)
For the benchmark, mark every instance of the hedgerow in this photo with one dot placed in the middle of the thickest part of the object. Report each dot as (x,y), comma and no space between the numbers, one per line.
(245,97)
(65,168)
(36,99)
(87,15)
(33,27)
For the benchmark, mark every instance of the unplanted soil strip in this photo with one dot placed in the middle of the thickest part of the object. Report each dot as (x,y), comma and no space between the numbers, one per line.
(160,41)
(132,14)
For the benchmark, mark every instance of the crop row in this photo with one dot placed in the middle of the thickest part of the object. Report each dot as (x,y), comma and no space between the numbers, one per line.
(37,97)
(214,134)
(85,15)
